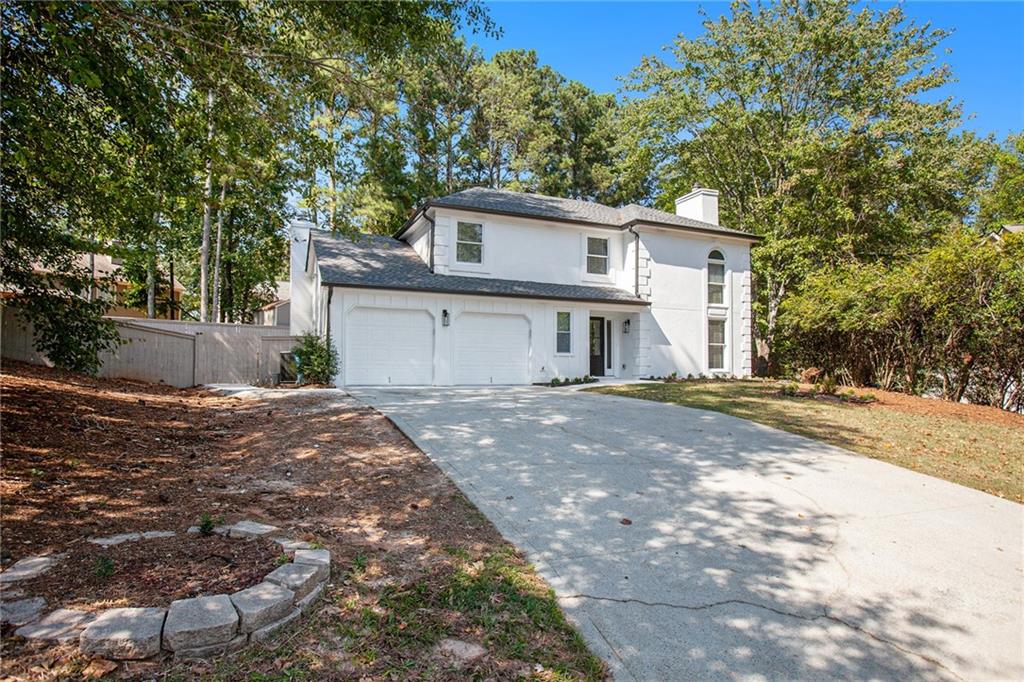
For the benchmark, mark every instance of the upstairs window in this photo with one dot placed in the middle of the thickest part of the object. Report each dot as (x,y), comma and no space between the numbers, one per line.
(716,278)
(597,256)
(469,243)
(563,332)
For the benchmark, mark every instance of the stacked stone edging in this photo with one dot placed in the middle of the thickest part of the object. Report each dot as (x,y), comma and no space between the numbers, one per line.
(198,627)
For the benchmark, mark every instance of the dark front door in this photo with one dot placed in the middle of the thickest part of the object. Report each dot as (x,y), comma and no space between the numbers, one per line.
(597,347)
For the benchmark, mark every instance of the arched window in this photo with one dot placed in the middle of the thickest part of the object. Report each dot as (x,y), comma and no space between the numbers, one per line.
(716,278)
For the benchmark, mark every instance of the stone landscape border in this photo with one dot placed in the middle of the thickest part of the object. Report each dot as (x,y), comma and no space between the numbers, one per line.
(198,627)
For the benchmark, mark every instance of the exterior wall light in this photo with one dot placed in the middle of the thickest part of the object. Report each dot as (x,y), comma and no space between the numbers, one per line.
(445,319)
(625,327)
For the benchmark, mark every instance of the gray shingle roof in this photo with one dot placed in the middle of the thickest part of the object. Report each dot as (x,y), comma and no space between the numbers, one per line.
(572,210)
(374,262)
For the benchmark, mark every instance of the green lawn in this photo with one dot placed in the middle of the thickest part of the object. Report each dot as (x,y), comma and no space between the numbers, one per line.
(974,446)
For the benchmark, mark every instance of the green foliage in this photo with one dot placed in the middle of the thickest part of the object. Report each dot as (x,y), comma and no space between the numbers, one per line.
(1003,203)
(950,318)
(109,138)
(827,385)
(791,389)
(317,360)
(208,522)
(103,567)
(815,121)
(587,379)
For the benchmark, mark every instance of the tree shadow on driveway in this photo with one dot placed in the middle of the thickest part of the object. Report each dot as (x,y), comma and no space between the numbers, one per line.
(693,544)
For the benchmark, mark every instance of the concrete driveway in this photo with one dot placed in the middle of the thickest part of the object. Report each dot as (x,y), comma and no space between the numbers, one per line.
(751,553)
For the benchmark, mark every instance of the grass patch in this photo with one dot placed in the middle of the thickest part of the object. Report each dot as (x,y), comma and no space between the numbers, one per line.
(978,447)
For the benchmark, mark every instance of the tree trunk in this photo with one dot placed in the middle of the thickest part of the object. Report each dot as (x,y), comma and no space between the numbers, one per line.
(151,266)
(216,256)
(171,303)
(333,201)
(312,198)
(204,253)
(151,283)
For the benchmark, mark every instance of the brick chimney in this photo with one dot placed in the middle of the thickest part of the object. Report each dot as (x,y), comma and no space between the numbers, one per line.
(700,204)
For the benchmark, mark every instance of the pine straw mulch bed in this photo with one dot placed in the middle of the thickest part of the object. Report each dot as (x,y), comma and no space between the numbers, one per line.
(413,561)
(153,572)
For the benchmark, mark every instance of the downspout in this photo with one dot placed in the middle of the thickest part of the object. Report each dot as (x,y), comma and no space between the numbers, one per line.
(636,261)
(432,228)
(330,294)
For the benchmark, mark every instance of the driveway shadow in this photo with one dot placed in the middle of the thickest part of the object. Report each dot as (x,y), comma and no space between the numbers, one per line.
(690,544)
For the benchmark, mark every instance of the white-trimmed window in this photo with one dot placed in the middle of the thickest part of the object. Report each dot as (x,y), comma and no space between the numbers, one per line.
(716,278)
(716,344)
(597,256)
(469,243)
(563,332)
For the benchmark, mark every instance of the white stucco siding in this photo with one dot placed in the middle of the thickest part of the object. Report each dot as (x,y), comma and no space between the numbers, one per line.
(472,315)
(301,281)
(531,250)
(679,302)
(419,239)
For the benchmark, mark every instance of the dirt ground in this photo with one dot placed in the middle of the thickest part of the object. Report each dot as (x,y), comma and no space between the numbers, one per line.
(413,562)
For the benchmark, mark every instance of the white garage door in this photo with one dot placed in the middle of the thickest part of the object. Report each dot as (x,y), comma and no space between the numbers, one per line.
(387,346)
(491,349)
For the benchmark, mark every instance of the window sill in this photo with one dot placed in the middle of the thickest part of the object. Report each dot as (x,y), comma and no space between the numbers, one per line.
(469,267)
(718,310)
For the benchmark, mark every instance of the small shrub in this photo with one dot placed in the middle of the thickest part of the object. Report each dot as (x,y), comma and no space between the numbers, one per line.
(207,523)
(689,377)
(827,386)
(282,560)
(316,359)
(104,567)
(791,389)
(556,382)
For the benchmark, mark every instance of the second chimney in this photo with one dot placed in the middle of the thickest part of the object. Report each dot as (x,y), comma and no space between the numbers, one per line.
(700,204)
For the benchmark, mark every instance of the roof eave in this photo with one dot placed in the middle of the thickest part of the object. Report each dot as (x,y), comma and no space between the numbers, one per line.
(746,236)
(412,220)
(520,214)
(492,294)
(573,221)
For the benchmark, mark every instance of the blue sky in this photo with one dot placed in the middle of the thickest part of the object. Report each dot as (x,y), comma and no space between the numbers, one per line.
(594,42)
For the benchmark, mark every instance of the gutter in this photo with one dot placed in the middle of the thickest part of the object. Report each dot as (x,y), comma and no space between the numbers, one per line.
(330,294)
(488,294)
(636,260)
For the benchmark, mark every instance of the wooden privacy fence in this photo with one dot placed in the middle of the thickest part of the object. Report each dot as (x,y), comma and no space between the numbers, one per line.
(171,351)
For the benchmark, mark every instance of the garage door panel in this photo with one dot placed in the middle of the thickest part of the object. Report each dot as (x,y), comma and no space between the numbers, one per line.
(491,349)
(387,346)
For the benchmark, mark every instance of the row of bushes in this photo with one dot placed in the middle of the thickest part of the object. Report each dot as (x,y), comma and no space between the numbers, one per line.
(587,379)
(948,321)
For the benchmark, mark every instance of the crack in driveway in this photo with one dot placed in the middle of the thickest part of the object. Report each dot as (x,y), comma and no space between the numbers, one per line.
(781,612)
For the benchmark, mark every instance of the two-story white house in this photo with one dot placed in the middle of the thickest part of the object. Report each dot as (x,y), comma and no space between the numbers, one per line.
(495,287)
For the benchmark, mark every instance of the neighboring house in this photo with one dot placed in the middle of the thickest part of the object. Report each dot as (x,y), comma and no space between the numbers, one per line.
(114,288)
(997,235)
(496,287)
(277,313)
